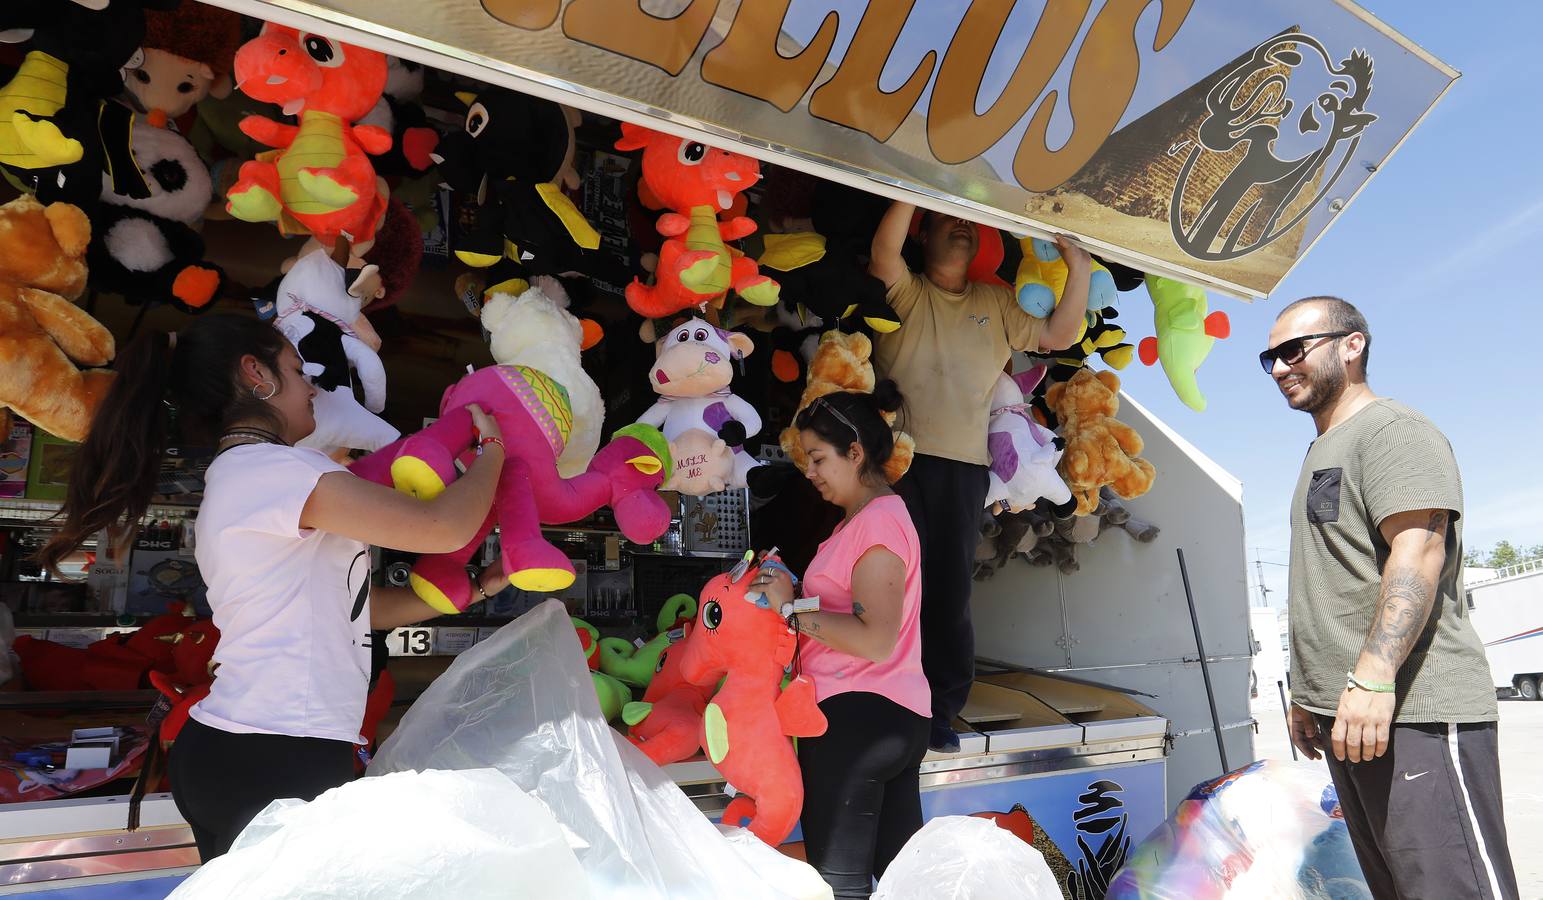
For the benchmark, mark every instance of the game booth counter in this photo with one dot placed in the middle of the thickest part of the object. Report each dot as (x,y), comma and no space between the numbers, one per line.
(668,187)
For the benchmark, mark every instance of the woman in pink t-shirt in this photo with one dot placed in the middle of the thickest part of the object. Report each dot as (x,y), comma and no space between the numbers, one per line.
(862,800)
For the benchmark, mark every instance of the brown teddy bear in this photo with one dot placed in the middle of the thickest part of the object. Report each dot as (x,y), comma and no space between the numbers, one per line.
(841,364)
(41,330)
(1100,450)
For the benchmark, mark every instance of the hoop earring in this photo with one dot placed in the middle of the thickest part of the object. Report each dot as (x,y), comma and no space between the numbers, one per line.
(258,387)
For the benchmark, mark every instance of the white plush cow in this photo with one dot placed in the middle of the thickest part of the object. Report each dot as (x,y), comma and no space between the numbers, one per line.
(318,315)
(1024,453)
(696,406)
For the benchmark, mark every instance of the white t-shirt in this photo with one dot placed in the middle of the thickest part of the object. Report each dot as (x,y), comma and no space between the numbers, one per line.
(292,604)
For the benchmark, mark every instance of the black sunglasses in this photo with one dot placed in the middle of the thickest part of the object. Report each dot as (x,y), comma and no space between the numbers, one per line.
(1294,350)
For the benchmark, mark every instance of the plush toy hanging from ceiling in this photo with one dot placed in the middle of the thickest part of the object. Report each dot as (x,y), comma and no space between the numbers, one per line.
(318,315)
(825,271)
(1024,453)
(515,155)
(841,363)
(1100,449)
(696,267)
(319,180)
(43,334)
(58,130)
(188,55)
(399,114)
(705,423)
(1185,335)
(149,250)
(745,729)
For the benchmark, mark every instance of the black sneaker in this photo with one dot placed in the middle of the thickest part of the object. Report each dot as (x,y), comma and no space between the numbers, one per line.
(943,739)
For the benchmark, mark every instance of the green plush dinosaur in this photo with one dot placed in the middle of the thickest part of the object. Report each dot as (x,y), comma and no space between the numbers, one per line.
(1185,335)
(621,659)
(612,694)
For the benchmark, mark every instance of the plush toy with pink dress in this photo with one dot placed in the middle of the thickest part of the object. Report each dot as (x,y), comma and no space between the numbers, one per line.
(536,418)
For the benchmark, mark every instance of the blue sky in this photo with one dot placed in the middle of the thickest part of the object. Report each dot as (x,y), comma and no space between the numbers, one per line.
(1438,252)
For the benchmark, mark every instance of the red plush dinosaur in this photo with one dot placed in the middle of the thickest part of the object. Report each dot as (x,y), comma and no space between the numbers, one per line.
(319,179)
(696,266)
(745,729)
(667,723)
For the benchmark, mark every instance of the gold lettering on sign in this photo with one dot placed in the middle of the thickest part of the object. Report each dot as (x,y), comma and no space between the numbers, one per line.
(954,131)
(852,97)
(622,26)
(748,62)
(531,15)
(1103,80)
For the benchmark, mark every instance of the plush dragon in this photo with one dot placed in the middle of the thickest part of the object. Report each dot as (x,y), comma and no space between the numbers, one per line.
(319,180)
(696,265)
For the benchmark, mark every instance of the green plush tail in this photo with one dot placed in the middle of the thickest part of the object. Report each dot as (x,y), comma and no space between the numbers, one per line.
(652,438)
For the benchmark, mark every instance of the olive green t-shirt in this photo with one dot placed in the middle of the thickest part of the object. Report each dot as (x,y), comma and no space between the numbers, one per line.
(947,358)
(1385,459)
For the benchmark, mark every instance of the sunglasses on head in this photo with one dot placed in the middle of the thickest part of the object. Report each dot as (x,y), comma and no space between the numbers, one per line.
(1294,350)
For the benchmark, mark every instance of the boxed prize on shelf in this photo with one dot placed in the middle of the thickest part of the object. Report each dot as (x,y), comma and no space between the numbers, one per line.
(48,469)
(15,451)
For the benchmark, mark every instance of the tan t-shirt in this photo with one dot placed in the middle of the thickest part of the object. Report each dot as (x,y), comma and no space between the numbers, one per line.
(946,359)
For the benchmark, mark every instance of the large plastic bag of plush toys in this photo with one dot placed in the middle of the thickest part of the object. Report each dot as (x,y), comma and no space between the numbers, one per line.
(523,703)
(967,858)
(1272,829)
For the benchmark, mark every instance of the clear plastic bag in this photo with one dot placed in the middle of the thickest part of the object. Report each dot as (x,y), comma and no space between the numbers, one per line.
(1271,829)
(967,858)
(426,835)
(522,702)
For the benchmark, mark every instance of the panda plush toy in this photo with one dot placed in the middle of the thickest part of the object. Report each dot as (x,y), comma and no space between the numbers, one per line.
(149,250)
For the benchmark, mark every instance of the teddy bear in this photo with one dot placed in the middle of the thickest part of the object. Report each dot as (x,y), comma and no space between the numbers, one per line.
(841,363)
(704,421)
(1024,453)
(149,249)
(535,329)
(316,312)
(43,334)
(188,54)
(1100,449)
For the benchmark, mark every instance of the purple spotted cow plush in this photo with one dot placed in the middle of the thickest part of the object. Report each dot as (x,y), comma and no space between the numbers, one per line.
(705,423)
(1024,453)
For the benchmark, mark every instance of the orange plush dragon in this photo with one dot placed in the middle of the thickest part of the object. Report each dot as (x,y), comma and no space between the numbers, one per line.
(319,179)
(696,267)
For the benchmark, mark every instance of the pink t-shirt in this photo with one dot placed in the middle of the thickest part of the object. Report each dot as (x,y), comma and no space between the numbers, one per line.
(885,522)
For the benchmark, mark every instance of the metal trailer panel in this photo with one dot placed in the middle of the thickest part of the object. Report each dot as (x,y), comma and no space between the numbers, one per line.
(1507,613)
(1123,621)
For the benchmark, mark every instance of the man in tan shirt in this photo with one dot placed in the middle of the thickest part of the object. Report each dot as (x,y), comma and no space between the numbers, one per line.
(957,337)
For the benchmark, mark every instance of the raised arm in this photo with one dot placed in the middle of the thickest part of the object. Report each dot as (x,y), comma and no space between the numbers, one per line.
(885,262)
(1066,319)
(1416,553)
(348,505)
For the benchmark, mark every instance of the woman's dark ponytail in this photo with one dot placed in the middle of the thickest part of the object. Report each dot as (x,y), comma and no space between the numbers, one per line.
(887,396)
(115,469)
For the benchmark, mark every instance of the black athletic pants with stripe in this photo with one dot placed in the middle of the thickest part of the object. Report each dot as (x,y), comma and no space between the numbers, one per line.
(1426,817)
(946,499)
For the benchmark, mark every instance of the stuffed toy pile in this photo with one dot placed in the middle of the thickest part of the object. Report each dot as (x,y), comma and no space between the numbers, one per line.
(824,272)
(44,336)
(1100,449)
(747,645)
(399,114)
(319,181)
(704,421)
(696,266)
(1185,335)
(841,363)
(319,316)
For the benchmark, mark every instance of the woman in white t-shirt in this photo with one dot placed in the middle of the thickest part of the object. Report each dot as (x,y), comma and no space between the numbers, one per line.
(283,537)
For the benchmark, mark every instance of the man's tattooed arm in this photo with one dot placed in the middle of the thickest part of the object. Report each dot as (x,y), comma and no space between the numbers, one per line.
(1417,542)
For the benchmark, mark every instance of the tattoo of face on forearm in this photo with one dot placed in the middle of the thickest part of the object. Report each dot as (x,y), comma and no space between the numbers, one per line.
(858,610)
(1402,612)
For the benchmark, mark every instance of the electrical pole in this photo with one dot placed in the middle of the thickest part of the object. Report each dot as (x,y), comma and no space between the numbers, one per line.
(1264,592)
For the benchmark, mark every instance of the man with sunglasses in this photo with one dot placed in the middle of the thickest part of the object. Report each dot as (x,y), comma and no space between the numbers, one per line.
(1388,674)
